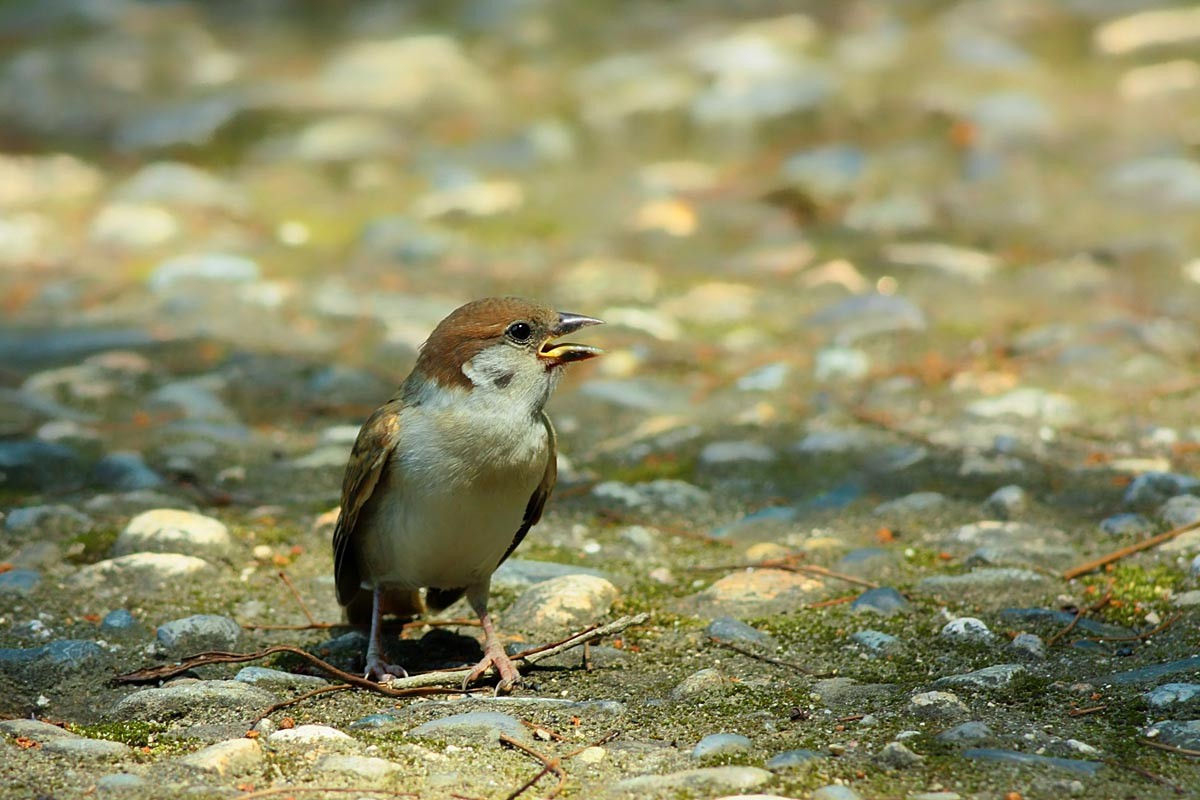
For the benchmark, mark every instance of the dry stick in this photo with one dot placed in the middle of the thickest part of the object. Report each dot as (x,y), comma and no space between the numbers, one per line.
(1140,636)
(274,790)
(339,687)
(551,764)
(837,601)
(1096,606)
(1117,555)
(548,765)
(769,659)
(542,729)
(813,569)
(1170,748)
(434,682)
(299,600)
(461,622)
(1080,712)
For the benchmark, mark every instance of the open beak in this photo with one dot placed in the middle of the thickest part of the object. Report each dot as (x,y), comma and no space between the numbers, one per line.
(557,354)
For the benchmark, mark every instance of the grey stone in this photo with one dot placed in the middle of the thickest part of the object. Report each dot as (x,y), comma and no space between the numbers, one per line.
(1150,490)
(1031,759)
(307,738)
(1180,510)
(34,729)
(521,573)
(994,677)
(790,759)
(847,693)
(701,682)
(375,722)
(663,493)
(277,679)
(87,749)
(716,744)
(972,732)
(198,633)
(168,530)
(479,727)
(1151,673)
(869,315)
(559,604)
(50,662)
(972,266)
(1060,618)
(877,641)
(194,701)
(728,629)
(230,757)
(19,581)
(1029,645)
(993,584)
(1172,694)
(1128,524)
(895,755)
(967,629)
(736,452)
(31,464)
(219,268)
(835,791)
(1006,502)
(915,503)
(174,183)
(840,364)
(1026,403)
(705,779)
(151,572)
(125,472)
(56,520)
(829,170)
(120,783)
(118,620)
(364,767)
(1177,733)
(885,600)
(937,705)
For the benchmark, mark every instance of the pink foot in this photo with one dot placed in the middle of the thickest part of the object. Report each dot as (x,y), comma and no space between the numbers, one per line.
(494,656)
(381,671)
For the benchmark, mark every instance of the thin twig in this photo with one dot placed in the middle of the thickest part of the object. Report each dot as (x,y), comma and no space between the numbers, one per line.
(813,569)
(1081,712)
(837,601)
(1170,748)
(550,765)
(253,626)
(283,576)
(769,659)
(433,682)
(274,790)
(1140,637)
(1117,555)
(337,687)
(1096,606)
(541,731)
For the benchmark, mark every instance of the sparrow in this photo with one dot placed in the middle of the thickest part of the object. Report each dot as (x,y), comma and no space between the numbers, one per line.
(448,476)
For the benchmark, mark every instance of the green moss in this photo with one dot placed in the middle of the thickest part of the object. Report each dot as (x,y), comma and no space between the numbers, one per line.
(1136,591)
(134,733)
(92,546)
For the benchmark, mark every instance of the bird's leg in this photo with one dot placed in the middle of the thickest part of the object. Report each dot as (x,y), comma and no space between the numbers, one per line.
(379,669)
(493,651)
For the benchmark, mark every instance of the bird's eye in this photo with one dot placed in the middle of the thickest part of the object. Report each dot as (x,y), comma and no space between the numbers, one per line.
(519,331)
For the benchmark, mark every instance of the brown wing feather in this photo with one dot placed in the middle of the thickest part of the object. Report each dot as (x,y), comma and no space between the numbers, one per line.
(537,502)
(368,462)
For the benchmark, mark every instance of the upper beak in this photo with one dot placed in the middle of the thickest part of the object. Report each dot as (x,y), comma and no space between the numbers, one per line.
(567,352)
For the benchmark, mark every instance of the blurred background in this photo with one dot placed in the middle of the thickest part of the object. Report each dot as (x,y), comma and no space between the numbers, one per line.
(230,224)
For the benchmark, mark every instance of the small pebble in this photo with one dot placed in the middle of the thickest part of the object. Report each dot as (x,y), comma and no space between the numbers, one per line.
(967,629)
(716,744)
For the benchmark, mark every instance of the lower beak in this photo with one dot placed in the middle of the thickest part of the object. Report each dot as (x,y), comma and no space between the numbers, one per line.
(566,352)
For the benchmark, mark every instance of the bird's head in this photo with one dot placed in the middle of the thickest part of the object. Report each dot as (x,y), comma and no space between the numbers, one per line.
(503,345)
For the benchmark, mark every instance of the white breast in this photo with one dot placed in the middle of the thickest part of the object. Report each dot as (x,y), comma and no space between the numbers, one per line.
(452,505)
